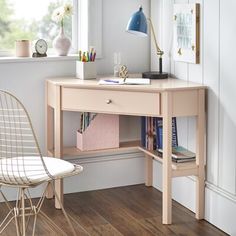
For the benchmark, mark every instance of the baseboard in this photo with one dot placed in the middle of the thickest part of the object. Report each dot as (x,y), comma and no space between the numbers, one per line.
(107,171)
(122,169)
(181,187)
(220,206)
(100,172)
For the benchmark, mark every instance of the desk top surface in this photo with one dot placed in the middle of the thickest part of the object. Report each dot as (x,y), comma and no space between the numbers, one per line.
(156,85)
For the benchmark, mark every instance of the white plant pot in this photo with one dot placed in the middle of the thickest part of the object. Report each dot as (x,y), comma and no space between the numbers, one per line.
(61,43)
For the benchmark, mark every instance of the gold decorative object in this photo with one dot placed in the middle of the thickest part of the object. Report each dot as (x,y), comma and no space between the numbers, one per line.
(123,73)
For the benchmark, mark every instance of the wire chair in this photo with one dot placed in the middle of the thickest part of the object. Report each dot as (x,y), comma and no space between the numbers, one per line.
(23,166)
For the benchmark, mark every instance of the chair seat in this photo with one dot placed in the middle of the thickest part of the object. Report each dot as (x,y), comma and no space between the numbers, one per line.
(30,169)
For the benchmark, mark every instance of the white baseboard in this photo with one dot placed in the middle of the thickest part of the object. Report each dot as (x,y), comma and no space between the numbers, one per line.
(220,206)
(100,172)
(183,189)
(107,171)
(220,211)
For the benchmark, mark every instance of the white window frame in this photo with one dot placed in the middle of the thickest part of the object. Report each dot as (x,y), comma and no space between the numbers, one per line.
(75,28)
(90,25)
(86,31)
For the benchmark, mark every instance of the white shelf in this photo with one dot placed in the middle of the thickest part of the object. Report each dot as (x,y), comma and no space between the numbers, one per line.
(71,57)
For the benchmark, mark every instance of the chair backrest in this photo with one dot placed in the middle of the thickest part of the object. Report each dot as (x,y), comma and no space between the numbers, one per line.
(19,149)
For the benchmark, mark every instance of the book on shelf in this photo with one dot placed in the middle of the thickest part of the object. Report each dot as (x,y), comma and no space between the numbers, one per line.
(152,133)
(180,154)
(159,133)
(152,139)
(148,137)
(143,131)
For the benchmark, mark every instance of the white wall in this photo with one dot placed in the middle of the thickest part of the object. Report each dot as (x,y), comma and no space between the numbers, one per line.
(216,69)
(26,80)
(134,50)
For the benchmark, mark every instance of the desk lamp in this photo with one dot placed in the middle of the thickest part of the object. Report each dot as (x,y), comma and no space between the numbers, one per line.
(137,25)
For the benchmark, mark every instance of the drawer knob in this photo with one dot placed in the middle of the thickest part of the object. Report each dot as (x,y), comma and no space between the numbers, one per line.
(109,101)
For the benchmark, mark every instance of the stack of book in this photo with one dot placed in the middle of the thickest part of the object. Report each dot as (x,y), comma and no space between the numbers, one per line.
(180,154)
(152,139)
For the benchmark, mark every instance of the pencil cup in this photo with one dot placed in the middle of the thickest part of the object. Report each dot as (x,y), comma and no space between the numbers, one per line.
(86,70)
(22,48)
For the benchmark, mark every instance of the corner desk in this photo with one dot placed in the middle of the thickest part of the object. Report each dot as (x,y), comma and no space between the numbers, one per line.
(165,98)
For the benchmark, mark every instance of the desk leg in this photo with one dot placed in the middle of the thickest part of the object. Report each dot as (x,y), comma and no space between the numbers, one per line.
(148,170)
(167,162)
(58,142)
(49,135)
(200,154)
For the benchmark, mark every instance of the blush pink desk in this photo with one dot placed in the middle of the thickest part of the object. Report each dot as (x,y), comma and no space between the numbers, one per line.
(163,98)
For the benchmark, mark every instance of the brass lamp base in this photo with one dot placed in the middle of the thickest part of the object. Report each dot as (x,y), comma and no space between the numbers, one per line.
(155,75)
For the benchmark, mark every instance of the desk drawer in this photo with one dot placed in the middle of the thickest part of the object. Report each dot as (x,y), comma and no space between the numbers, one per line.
(108,101)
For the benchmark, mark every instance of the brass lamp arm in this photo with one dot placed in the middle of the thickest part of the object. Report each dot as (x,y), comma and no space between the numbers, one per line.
(158,50)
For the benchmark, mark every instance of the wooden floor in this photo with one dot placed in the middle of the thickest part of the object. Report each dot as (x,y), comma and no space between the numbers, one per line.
(133,210)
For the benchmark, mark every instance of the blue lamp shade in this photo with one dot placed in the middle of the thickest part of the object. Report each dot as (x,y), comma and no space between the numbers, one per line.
(138,24)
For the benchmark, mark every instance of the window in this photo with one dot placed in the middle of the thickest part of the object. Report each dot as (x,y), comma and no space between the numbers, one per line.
(30,19)
(90,25)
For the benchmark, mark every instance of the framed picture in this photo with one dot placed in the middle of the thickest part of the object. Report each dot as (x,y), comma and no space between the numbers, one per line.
(186,38)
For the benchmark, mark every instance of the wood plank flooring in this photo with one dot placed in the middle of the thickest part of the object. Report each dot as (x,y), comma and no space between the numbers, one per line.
(132,210)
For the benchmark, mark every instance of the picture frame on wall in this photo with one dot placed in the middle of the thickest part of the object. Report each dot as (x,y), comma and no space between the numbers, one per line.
(186,35)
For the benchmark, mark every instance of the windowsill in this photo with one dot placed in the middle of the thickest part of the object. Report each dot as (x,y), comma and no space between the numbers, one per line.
(71,57)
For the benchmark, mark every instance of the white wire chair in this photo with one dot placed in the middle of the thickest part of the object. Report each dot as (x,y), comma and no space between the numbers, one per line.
(23,166)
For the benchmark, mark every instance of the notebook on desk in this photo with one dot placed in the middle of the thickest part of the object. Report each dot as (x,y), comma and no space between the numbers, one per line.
(127,81)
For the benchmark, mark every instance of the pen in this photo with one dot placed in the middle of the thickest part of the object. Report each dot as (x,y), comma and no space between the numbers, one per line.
(84,57)
(80,55)
(91,54)
(87,57)
(94,56)
(111,81)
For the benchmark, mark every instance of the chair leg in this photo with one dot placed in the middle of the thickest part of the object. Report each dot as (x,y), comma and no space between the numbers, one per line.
(5,200)
(23,211)
(64,212)
(34,211)
(34,224)
(19,213)
(32,207)
(18,233)
(12,211)
(16,213)
(52,224)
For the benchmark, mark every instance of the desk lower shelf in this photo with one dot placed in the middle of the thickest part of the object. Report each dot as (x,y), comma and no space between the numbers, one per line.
(178,169)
